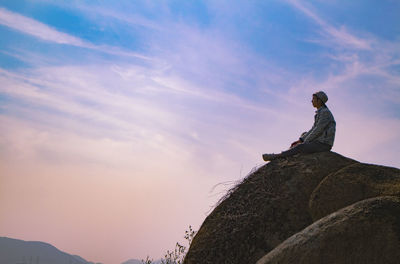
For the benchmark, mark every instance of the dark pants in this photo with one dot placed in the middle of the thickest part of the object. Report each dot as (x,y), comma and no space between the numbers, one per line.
(309,147)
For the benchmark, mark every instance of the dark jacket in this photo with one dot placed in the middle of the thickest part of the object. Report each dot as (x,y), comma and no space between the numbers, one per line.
(324,128)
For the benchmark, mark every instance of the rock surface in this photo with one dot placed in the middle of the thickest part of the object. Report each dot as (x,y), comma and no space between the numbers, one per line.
(367,232)
(269,206)
(352,184)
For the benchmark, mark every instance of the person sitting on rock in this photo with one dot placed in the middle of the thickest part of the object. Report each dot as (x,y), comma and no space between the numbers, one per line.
(321,135)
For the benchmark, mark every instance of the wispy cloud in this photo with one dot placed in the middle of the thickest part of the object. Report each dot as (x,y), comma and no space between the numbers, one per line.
(44,32)
(340,36)
(159,107)
(359,58)
(35,28)
(131,19)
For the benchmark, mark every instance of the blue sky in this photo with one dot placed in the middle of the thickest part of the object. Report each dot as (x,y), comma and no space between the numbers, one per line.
(136,109)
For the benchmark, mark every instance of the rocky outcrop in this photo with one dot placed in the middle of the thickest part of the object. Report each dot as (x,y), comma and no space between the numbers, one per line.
(351,184)
(269,206)
(367,232)
(271,216)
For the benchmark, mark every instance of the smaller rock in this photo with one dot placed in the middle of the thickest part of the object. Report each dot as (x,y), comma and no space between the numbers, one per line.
(351,184)
(367,232)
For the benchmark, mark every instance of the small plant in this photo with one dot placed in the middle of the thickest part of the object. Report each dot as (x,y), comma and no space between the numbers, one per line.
(189,235)
(147,260)
(178,254)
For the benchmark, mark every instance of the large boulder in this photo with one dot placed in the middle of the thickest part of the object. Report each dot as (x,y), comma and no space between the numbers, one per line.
(367,232)
(352,184)
(269,206)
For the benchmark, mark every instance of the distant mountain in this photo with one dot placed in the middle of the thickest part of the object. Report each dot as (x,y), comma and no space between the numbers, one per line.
(136,261)
(132,261)
(14,251)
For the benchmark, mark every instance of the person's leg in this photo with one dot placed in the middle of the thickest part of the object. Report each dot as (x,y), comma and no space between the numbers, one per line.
(310,147)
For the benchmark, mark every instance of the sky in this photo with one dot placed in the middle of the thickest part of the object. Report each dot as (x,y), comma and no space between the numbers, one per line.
(124,122)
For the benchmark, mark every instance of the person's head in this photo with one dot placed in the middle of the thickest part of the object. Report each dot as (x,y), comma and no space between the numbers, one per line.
(319,99)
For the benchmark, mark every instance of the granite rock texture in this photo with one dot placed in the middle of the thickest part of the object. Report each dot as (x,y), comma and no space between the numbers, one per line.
(367,232)
(269,206)
(314,208)
(351,184)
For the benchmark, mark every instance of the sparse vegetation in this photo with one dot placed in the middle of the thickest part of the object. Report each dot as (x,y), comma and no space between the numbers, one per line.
(177,255)
(147,260)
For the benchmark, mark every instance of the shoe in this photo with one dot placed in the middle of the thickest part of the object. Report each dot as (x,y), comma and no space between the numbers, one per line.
(268,157)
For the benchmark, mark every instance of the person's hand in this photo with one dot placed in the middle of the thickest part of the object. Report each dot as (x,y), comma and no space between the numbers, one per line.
(294,144)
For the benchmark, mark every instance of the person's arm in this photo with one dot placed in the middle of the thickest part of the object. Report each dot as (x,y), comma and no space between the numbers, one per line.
(304,135)
(301,138)
(323,121)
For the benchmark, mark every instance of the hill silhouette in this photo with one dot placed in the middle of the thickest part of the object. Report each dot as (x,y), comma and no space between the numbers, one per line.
(14,251)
